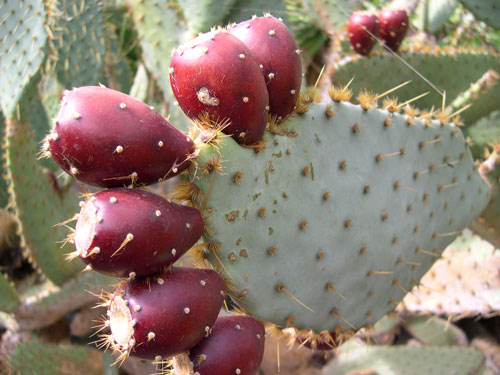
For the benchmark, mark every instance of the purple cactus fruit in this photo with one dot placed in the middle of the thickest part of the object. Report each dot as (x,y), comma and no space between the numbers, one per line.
(361,29)
(106,138)
(216,74)
(131,232)
(235,346)
(393,27)
(164,315)
(276,51)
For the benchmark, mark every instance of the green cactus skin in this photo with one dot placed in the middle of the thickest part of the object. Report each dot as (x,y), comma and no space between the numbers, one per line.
(77,45)
(431,15)
(347,232)
(484,133)
(8,295)
(203,14)
(37,204)
(432,330)
(49,359)
(43,305)
(24,43)
(453,71)
(243,10)
(161,28)
(487,11)
(406,360)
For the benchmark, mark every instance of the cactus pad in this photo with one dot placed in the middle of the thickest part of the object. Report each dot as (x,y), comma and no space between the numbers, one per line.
(24,39)
(336,219)
(487,11)
(77,44)
(451,71)
(48,359)
(407,360)
(465,282)
(37,204)
(8,295)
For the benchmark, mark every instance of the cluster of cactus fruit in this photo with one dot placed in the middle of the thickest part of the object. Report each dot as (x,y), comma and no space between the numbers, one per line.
(271,213)
(108,139)
(391,25)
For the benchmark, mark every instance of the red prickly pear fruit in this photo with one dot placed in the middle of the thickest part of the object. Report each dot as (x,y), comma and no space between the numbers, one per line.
(235,346)
(164,315)
(275,49)
(131,232)
(393,27)
(323,341)
(359,23)
(106,138)
(219,76)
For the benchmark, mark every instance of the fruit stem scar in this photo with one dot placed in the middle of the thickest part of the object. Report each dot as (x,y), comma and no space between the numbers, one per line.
(204,96)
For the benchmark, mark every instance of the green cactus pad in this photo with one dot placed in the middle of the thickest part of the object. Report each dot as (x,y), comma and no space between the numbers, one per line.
(432,330)
(484,134)
(454,72)
(431,15)
(8,295)
(38,206)
(202,15)
(406,360)
(487,11)
(78,42)
(44,304)
(49,359)
(24,41)
(243,10)
(347,211)
(161,28)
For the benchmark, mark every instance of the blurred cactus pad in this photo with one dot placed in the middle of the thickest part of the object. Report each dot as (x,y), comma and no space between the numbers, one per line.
(388,167)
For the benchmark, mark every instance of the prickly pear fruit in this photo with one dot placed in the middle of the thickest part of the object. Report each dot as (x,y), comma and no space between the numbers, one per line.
(358,27)
(235,346)
(127,232)
(216,74)
(164,315)
(106,138)
(276,51)
(393,27)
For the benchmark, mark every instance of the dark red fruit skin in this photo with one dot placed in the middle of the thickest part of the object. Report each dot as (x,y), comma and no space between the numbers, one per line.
(94,122)
(162,310)
(361,41)
(157,226)
(324,344)
(275,49)
(221,66)
(236,342)
(393,27)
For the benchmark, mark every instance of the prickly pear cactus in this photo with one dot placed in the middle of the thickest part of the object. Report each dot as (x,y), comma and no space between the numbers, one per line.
(447,70)
(407,360)
(24,41)
(341,214)
(45,359)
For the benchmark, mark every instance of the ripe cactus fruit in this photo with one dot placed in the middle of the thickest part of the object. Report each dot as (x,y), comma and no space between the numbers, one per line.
(127,232)
(164,315)
(361,28)
(276,51)
(106,138)
(393,27)
(206,78)
(235,346)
